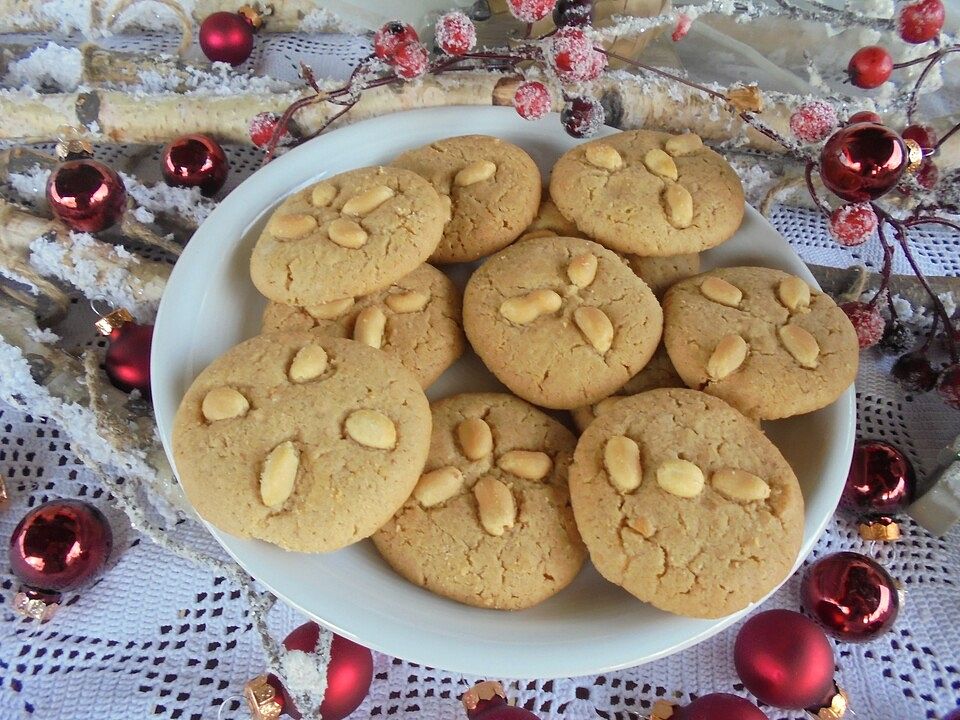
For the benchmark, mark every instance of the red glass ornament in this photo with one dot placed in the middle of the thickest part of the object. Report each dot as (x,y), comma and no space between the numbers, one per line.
(851,596)
(784,659)
(922,21)
(862,162)
(60,545)
(226,37)
(881,480)
(865,116)
(128,357)
(870,67)
(952,715)
(86,195)
(923,135)
(195,161)
(390,36)
(487,701)
(721,706)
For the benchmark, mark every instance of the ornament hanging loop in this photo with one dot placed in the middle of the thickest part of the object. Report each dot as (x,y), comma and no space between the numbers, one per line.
(186,23)
(113,320)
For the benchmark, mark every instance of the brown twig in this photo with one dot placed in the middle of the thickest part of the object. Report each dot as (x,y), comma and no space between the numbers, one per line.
(808,177)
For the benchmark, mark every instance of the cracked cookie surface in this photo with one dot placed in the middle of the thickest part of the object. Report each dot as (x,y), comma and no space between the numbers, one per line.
(439,539)
(749,303)
(305,441)
(552,341)
(704,553)
(488,211)
(351,234)
(421,313)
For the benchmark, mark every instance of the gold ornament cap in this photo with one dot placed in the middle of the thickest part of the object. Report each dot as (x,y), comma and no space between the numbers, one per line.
(486,690)
(262,699)
(254,14)
(884,530)
(914,155)
(72,144)
(662,710)
(112,320)
(35,606)
(834,709)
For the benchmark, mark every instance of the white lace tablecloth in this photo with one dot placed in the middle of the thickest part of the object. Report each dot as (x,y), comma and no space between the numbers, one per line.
(159,637)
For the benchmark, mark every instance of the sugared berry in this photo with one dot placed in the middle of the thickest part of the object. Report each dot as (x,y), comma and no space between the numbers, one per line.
(813,121)
(923,135)
(920,21)
(870,67)
(410,60)
(914,372)
(866,320)
(573,56)
(896,338)
(865,116)
(456,33)
(853,224)
(573,13)
(582,116)
(928,174)
(532,100)
(948,385)
(681,28)
(530,10)
(262,127)
(391,36)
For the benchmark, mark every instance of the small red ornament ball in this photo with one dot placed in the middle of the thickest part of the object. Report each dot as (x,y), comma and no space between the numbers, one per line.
(60,545)
(784,659)
(456,34)
(573,57)
(852,225)
(390,36)
(920,22)
(582,116)
(870,67)
(862,162)
(489,702)
(226,37)
(530,10)
(948,385)
(410,60)
(721,706)
(532,100)
(865,116)
(867,322)
(127,361)
(813,121)
(923,135)
(851,596)
(86,195)
(195,161)
(952,715)
(881,480)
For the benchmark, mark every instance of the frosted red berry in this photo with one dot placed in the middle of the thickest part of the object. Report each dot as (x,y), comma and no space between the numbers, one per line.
(573,13)
(813,121)
(948,385)
(456,33)
(532,100)
(923,135)
(530,10)
(573,56)
(928,174)
(582,116)
(914,373)
(262,127)
(391,36)
(681,28)
(865,116)
(921,21)
(867,321)
(852,225)
(410,60)
(870,67)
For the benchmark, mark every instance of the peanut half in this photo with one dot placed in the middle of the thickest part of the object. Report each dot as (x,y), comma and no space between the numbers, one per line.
(223,403)
(528,464)
(369,326)
(372,429)
(525,309)
(679,205)
(477,171)
(495,504)
(408,302)
(330,310)
(800,344)
(309,363)
(727,357)
(680,477)
(683,144)
(595,326)
(621,459)
(279,474)
(659,163)
(740,485)
(367,201)
(438,486)
(721,291)
(323,194)
(347,233)
(476,438)
(292,225)
(604,156)
(582,269)
(794,293)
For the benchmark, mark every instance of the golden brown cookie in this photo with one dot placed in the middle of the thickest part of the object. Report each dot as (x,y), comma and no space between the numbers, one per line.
(305,441)
(660,273)
(549,222)
(489,523)
(416,320)
(685,503)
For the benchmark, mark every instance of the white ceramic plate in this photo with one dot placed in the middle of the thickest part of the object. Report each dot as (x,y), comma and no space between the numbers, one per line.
(590,627)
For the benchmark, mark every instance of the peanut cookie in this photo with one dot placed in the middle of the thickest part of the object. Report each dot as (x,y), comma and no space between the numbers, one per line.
(761,339)
(649,193)
(489,523)
(562,322)
(493,188)
(659,273)
(416,320)
(352,234)
(549,222)
(685,503)
(305,441)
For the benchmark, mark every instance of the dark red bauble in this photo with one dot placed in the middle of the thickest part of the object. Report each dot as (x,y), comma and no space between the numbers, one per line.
(784,659)
(195,161)
(862,162)
(851,596)
(952,715)
(721,706)
(487,701)
(881,480)
(865,116)
(128,357)
(870,67)
(60,545)
(226,37)
(86,195)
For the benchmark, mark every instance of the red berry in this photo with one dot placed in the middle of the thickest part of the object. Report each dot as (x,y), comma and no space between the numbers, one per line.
(573,56)
(456,33)
(920,21)
(866,320)
(391,36)
(923,135)
(928,174)
(863,116)
(681,28)
(914,372)
(853,224)
(410,60)
(948,385)
(582,116)
(870,67)
(531,10)
(813,121)
(264,125)
(532,100)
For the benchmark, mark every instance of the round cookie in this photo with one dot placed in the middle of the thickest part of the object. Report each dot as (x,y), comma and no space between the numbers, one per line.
(649,193)
(490,522)
(352,234)
(493,188)
(660,273)
(685,503)
(305,441)
(549,222)
(761,339)
(562,322)
(416,320)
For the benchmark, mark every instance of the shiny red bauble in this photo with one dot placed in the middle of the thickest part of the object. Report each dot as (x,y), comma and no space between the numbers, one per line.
(487,701)
(720,706)
(921,21)
(127,361)
(86,195)
(60,545)
(862,162)
(881,480)
(784,659)
(226,37)
(870,67)
(851,596)
(923,135)
(864,116)
(195,161)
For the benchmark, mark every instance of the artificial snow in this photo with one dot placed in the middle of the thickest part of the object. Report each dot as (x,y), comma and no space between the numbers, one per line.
(321,20)
(51,66)
(30,185)
(42,335)
(142,215)
(220,79)
(188,203)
